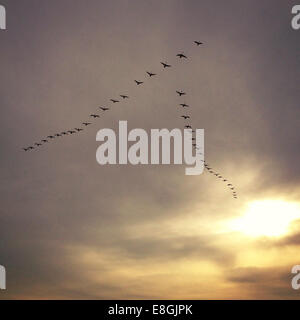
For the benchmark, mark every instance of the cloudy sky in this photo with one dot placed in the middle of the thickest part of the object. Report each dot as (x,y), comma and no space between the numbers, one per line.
(72,229)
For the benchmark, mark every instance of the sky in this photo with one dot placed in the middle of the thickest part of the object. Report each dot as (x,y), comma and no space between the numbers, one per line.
(72,229)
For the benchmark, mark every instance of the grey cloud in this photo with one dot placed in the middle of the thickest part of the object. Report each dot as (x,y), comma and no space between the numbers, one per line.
(61,59)
(264,283)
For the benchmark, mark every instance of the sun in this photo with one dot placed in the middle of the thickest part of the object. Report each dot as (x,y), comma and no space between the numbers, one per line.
(270,218)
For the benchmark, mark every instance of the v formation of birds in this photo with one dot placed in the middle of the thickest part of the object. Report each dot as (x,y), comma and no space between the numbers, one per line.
(94,116)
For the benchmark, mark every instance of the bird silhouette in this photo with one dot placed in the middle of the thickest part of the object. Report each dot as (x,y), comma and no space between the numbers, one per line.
(181,55)
(123,96)
(181,93)
(151,74)
(138,82)
(104,108)
(166,65)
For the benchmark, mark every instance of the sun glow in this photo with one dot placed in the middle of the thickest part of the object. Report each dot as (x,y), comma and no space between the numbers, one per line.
(270,218)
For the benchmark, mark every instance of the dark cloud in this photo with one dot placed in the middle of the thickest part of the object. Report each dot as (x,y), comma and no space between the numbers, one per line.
(290,239)
(293,239)
(162,249)
(264,283)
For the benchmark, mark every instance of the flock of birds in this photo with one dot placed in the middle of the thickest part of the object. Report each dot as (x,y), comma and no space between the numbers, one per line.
(94,116)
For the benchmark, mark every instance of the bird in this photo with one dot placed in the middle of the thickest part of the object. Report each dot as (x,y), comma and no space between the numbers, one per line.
(123,96)
(64,133)
(181,93)
(104,108)
(181,55)
(166,65)
(151,74)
